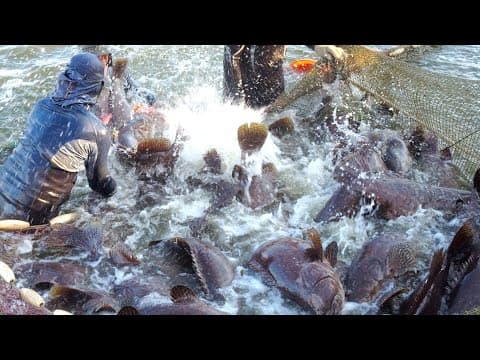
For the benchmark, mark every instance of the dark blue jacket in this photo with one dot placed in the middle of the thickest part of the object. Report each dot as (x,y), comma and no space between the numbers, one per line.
(62,137)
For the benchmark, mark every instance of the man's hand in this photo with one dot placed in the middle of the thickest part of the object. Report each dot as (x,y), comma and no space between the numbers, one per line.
(107,186)
(333,51)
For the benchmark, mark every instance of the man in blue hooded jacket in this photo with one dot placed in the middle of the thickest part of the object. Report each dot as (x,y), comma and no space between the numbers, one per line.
(61,137)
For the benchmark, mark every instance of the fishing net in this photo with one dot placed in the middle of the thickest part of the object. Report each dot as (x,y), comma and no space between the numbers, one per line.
(446,105)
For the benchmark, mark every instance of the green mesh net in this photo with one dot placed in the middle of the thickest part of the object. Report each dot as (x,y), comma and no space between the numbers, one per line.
(446,105)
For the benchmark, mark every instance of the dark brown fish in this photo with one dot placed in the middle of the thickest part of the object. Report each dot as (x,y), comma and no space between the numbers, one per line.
(212,268)
(397,197)
(396,155)
(258,190)
(364,160)
(447,269)
(394,197)
(224,193)
(424,147)
(421,142)
(81,300)
(130,292)
(380,261)
(345,201)
(301,273)
(467,296)
(44,274)
(11,302)
(185,302)
(150,193)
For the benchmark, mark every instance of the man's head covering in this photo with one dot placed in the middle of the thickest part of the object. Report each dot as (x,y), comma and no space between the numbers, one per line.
(81,82)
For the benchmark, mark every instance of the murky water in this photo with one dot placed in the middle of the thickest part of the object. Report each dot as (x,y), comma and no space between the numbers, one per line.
(188,83)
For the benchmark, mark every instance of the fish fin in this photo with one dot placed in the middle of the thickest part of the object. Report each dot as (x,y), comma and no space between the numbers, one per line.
(151,145)
(119,67)
(197,270)
(459,272)
(314,236)
(412,304)
(400,258)
(88,239)
(182,294)
(471,263)
(155,242)
(128,310)
(435,265)
(121,254)
(252,136)
(311,254)
(331,253)
(62,290)
(266,277)
(461,243)
(281,127)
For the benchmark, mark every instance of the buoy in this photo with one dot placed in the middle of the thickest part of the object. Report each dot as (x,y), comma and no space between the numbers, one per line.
(302,66)
(13,225)
(64,219)
(61,312)
(6,273)
(32,297)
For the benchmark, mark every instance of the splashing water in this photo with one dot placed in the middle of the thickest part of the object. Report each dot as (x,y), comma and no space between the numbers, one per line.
(187,80)
(209,123)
